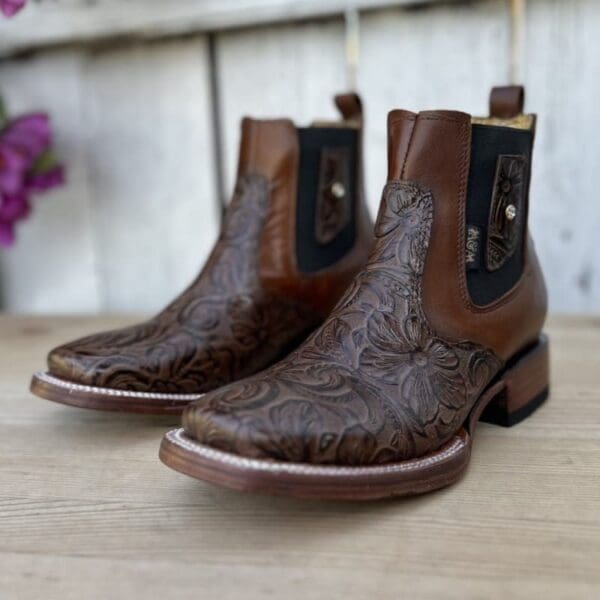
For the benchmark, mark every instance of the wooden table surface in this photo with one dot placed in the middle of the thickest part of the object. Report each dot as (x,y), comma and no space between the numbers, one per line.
(87,511)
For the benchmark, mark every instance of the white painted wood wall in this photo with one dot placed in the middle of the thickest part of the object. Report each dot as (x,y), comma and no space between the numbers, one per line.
(133,124)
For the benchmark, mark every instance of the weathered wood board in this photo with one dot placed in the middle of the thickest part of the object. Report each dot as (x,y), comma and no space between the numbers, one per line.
(133,124)
(139,213)
(88,511)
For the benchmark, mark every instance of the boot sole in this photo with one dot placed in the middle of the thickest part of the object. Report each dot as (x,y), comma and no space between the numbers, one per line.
(52,388)
(517,392)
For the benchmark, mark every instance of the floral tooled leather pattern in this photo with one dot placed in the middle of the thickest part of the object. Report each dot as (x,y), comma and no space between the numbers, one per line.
(509,190)
(374,383)
(222,328)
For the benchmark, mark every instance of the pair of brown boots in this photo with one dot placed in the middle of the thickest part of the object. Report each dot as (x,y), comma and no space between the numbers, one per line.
(319,356)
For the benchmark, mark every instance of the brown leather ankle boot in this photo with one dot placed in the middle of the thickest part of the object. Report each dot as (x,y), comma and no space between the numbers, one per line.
(295,234)
(442,326)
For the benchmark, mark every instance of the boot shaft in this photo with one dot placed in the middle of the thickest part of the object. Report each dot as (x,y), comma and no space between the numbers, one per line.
(438,330)
(317,232)
(482,280)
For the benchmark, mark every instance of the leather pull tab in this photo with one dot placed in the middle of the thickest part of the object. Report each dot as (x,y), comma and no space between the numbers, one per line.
(350,106)
(507,101)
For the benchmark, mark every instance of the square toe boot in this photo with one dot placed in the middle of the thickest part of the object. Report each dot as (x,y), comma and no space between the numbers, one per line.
(294,235)
(442,328)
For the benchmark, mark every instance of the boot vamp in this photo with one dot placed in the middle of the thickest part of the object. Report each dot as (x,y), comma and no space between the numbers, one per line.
(374,383)
(221,327)
(73,360)
(207,345)
(365,392)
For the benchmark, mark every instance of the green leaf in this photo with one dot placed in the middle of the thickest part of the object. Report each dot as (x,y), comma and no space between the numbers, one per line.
(44,163)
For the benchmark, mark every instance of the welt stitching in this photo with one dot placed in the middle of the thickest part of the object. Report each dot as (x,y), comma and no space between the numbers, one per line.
(441,118)
(397,120)
(410,139)
(462,200)
(503,299)
(178,438)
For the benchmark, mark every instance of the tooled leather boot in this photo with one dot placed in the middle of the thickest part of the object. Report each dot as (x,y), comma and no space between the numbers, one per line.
(295,233)
(442,326)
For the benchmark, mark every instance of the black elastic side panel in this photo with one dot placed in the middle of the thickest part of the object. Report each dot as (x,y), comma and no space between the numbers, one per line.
(488,143)
(311,255)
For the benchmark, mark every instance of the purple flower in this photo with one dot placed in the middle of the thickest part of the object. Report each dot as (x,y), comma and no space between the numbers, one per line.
(12,209)
(26,166)
(41,182)
(28,135)
(13,166)
(7,234)
(11,7)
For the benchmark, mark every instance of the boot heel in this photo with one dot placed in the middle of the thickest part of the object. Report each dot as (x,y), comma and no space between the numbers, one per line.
(527,386)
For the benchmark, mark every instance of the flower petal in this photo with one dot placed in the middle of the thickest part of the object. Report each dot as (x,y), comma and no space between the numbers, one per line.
(449,388)
(7,234)
(412,328)
(28,135)
(417,391)
(442,355)
(41,182)
(386,334)
(381,365)
(10,8)
(12,169)
(14,207)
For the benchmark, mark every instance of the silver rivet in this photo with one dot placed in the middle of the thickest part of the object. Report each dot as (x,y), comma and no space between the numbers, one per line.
(338,190)
(511,212)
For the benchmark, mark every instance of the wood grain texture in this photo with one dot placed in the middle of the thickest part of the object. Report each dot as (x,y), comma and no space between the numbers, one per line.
(446,55)
(67,21)
(140,204)
(87,510)
(52,267)
(436,57)
(562,73)
(289,71)
(149,151)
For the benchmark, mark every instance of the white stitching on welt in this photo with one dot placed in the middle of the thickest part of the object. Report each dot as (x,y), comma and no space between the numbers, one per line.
(88,389)
(177,437)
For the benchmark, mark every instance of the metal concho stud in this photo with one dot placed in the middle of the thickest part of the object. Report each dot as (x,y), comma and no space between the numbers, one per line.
(338,189)
(510,212)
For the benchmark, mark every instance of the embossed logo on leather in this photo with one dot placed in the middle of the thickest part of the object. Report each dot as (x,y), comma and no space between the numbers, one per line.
(473,247)
(333,202)
(507,210)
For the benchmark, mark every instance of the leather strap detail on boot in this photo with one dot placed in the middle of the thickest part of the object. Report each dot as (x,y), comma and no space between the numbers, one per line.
(433,149)
(507,101)
(279,268)
(507,211)
(497,204)
(333,206)
(350,106)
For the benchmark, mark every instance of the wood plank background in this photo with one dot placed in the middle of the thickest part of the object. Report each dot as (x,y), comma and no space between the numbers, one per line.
(133,123)
(88,512)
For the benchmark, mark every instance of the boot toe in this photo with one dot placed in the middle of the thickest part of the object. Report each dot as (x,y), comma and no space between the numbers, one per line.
(221,429)
(89,359)
(266,418)
(208,428)
(131,369)
(65,362)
